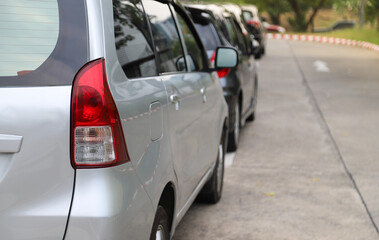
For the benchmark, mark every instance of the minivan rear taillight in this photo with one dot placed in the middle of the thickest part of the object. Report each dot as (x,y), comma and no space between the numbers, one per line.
(97,139)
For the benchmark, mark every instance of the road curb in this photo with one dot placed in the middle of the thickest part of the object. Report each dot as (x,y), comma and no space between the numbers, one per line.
(323,39)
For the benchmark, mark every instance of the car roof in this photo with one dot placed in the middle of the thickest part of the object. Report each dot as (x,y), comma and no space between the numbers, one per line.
(216,10)
(251,8)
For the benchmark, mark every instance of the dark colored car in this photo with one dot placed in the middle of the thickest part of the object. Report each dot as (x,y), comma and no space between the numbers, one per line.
(112,119)
(218,27)
(255,26)
(339,25)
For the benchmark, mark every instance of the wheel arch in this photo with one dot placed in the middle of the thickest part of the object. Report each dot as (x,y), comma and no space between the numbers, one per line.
(167,201)
(240,101)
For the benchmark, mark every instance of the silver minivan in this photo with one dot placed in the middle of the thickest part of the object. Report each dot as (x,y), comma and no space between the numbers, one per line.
(112,121)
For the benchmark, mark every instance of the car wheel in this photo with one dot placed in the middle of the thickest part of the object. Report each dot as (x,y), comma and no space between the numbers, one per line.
(212,190)
(234,136)
(251,117)
(160,229)
(258,55)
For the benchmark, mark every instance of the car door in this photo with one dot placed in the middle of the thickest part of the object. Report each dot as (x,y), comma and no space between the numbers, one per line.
(184,96)
(211,92)
(247,68)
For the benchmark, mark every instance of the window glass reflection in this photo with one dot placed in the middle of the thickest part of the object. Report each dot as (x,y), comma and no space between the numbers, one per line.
(165,36)
(133,41)
(194,57)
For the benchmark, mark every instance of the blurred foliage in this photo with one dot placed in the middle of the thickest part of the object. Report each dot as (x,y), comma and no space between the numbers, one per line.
(343,6)
(301,20)
(302,13)
(372,12)
(274,8)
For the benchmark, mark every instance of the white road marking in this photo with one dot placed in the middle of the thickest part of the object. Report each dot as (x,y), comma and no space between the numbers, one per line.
(229,158)
(321,66)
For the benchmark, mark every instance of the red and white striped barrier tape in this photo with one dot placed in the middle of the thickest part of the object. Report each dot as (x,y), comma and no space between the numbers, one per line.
(332,40)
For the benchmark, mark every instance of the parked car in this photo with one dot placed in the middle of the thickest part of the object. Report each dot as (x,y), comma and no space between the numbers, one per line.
(112,120)
(254,24)
(339,25)
(272,28)
(218,27)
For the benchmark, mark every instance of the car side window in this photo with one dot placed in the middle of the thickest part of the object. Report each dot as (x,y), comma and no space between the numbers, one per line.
(232,35)
(133,39)
(194,55)
(166,37)
(247,15)
(240,37)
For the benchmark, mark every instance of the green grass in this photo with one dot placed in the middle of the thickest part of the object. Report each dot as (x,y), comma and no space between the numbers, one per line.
(326,17)
(366,34)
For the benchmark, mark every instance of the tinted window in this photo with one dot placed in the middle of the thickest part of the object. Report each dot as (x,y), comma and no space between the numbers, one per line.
(247,15)
(208,35)
(195,61)
(240,37)
(133,40)
(233,36)
(166,38)
(53,61)
(28,34)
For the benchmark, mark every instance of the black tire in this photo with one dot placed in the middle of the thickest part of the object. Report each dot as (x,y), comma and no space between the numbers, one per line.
(258,55)
(212,191)
(160,225)
(233,139)
(251,117)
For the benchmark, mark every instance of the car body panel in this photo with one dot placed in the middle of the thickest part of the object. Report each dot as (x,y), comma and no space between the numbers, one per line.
(42,196)
(36,181)
(103,204)
(240,80)
(36,176)
(259,32)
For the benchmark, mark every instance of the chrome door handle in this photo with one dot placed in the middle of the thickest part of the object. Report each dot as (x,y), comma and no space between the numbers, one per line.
(175,99)
(203,93)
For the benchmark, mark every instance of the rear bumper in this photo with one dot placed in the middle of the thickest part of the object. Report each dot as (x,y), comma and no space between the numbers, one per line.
(109,203)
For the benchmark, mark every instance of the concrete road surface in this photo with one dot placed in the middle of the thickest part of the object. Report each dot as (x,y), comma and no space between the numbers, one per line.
(308,167)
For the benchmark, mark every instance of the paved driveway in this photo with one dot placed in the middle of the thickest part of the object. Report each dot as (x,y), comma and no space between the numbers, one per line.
(308,167)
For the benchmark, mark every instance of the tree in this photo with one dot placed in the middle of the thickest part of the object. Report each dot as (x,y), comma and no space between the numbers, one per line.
(274,8)
(361,13)
(348,7)
(372,12)
(300,8)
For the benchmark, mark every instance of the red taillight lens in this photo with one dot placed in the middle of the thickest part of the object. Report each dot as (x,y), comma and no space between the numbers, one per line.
(223,72)
(90,105)
(97,139)
(254,23)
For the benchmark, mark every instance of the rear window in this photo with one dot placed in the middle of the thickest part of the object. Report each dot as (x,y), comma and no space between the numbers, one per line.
(42,42)
(247,15)
(134,45)
(28,34)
